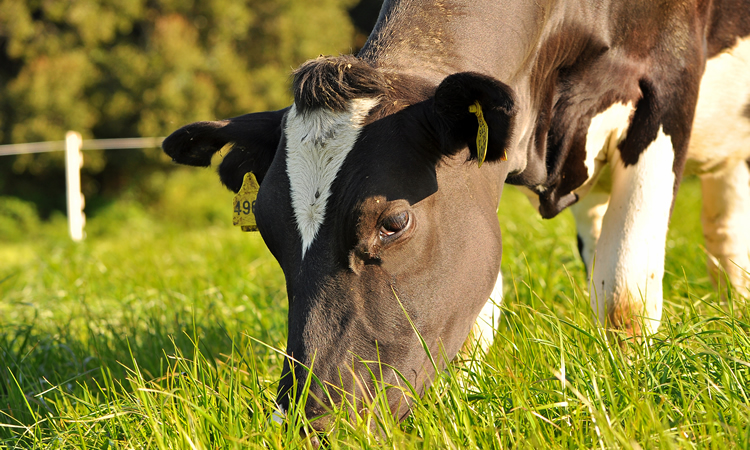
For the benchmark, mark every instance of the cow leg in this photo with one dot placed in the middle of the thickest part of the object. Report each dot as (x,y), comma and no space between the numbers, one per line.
(588,213)
(726,220)
(483,331)
(626,283)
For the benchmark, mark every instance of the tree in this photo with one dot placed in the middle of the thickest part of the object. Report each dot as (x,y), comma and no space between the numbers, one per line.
(125,68)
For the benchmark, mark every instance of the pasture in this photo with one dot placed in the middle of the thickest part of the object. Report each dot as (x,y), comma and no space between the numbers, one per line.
(163,330)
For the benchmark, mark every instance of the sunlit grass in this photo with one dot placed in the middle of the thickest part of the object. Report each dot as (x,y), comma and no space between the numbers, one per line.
(166,332)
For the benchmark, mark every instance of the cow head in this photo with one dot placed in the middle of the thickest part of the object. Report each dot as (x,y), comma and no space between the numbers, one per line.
(372,202)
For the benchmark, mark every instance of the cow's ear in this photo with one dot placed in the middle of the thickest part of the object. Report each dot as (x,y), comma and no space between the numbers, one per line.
(458,120)
(255,138)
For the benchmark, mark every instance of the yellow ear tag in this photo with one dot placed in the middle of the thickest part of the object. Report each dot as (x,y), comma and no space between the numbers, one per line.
(244,204)
(483,134)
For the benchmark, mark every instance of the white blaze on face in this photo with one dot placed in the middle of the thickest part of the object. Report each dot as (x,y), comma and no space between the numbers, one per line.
(317,144)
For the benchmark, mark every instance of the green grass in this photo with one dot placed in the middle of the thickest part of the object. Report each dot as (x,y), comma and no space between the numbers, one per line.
(161,333)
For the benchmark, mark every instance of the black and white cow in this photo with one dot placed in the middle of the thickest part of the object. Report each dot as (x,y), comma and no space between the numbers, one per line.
(373,202)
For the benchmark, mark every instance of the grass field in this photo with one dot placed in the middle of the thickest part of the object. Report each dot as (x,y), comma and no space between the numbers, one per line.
(159,330)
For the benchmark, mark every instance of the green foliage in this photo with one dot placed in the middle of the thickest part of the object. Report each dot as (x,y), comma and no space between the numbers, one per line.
(124,68)
(164,334)
(185,197)
(18,219)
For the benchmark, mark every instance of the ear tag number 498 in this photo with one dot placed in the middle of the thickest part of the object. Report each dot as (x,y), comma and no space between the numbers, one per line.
(244,204)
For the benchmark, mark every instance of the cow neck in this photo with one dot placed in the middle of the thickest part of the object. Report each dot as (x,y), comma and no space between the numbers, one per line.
(436,39)
(499,38)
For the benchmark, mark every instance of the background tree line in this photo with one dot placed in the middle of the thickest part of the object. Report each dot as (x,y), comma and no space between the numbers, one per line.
(127,68)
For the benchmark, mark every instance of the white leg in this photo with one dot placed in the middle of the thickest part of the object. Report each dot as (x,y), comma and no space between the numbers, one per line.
(483,332)
(626,284)
(726,224)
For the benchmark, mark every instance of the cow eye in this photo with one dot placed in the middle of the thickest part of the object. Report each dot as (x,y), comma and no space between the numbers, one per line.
(394,225)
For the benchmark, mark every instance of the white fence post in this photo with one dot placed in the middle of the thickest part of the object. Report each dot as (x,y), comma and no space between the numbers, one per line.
(73,164)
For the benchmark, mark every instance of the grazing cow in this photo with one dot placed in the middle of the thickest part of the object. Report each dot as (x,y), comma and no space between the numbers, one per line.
(373,201)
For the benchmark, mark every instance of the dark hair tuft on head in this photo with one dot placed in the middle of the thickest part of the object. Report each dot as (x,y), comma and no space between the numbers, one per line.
(331,82)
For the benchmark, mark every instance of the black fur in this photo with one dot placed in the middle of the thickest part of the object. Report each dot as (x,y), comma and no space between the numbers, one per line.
(254,138)
(331,82)
(195,144)
(458,127)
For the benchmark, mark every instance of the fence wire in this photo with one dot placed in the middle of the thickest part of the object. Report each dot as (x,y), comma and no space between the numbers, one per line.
(88,144)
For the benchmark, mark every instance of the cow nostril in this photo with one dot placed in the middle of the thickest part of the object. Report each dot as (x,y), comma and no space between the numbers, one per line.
(318,418)
(316,431)
(317,438)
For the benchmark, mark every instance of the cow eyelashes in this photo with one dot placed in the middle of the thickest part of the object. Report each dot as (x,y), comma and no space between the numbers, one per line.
(394,225)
